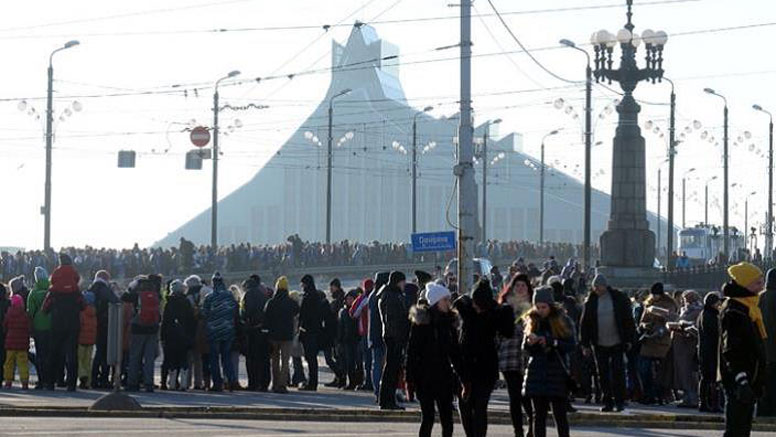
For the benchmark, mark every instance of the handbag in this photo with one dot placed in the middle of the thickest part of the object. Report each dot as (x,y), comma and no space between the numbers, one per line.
(572,386)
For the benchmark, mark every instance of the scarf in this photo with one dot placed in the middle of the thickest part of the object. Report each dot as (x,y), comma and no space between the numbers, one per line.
(754,312)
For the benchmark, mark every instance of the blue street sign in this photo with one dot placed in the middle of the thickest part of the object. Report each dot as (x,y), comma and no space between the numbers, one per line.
(433,242)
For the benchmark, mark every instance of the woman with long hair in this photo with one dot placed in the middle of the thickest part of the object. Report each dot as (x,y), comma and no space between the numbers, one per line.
(517,293)
(549,338)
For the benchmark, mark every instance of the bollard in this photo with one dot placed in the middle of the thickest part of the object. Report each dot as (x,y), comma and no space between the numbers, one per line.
(115,401)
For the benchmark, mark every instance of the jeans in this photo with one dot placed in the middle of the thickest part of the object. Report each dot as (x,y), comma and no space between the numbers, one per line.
(518,403)
(390,379)
(64,355)
(42,355)
(334,361)
(541,407)
(648,369)
(444,404)
(611,374)
(349,362)
(100,368)
(378,356)
(142,349)
(738,415)
(474,411)
(257,360)
(281,352)
(310,344)
(221,350)
(85,362)
(366,357)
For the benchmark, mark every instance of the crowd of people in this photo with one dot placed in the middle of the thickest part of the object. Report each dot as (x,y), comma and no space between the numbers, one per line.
(537,331)
(188,258)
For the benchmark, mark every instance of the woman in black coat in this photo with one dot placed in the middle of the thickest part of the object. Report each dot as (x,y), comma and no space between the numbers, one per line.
(549,338)
(178,328)
(708,354)
(433,353)
(482,319)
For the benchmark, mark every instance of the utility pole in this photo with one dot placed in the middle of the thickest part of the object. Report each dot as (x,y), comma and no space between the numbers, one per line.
(46,210)
(484,154)
(769,218)
(684,202)
(725,157)
(541,187)
(658,211)
(464,170)
(328,163)
(214,200)
(706,207)
(415,168)
(671,156)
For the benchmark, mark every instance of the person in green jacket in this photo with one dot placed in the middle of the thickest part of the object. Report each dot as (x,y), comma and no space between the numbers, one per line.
(41,324)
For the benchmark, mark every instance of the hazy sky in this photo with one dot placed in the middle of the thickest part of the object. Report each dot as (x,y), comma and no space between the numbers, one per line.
(129,48)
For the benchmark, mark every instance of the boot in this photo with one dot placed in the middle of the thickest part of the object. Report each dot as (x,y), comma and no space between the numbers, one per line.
(8,384)
(705,398)
(25,385)
(334,383)
(83,385)
(715,399)
(184,378)
(172,380)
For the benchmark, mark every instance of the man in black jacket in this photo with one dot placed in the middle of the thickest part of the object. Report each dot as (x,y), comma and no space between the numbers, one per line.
(742,351)
(257,345)
(708,353)
(608,328)
(311,329)
(396,326)
(103,297)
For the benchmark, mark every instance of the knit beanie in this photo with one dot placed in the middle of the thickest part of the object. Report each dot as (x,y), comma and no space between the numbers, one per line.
(711,298)
(482,294)
(744,273)
(396,277)
(218,281)
(281,283)
(543,295)
(177,287)
(65,260)
(103,275)
(352,293)
(600,280)
(657,289)
(16,284)
(335,283)
(423,277)
(435,293)
(368,285)
(193,281)
(40,274)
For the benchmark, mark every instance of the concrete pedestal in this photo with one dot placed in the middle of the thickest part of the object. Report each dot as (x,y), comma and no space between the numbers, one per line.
(630,277)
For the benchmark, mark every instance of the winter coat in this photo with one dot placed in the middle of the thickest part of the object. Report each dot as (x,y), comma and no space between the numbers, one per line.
(16,326)
(64,279)
(103,297)
(360,311)
(375,335)
(708,342)
(685,346)
(768,307)
(510,349)
(478,340)
(253,303)
(133,296)
(280,315)
(65,310)
(545,375)
(742,348)
(656,339)
(623,319)
(41,321)
(394,314)
(347,328)
(433,351)
(179,325)
(87,336)
(311,314)
(220,312)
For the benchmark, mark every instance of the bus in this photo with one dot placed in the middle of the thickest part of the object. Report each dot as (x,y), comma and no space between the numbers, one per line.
(703,243)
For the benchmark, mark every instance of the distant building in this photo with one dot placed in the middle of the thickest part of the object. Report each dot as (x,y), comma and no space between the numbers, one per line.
(372,172)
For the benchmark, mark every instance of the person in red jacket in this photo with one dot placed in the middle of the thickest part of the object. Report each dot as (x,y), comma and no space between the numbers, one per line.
(86,339)
(17,341)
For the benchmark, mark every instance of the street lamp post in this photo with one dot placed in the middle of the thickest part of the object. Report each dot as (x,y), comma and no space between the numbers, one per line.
(769,219)
(484,157)
(328,164)
(746,219)
(588,148)
(628,241)
(214,200)
(541,188)
(725,228)
(46,210)
(415,167)
(684,197)
(706,201)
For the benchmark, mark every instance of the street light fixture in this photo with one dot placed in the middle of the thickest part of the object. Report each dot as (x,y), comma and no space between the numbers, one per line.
(769,219)
(725,194)
(214,199)
(46,210)
(328,163)
(541,186)
(415,167)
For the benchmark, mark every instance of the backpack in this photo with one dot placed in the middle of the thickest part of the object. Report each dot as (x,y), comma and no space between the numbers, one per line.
(148,308)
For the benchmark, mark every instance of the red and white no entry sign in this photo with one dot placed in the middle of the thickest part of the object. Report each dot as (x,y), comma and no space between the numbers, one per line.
(200,136)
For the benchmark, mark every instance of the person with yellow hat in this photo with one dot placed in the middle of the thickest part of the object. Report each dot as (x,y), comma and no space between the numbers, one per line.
(280,316)
(742,362)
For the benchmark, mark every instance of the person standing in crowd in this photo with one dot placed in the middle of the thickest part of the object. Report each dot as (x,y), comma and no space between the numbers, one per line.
(607,327)
(685,345)
(394,317)
(86,339)
(742,352)
(41,325)
(257,344)
(221,312)
(482,320)
(767,405)
(375,335)
(708,351)
(279,319)
(144,294)
(331,345)
(199,369)
(347,337)
(64,302)
(178,328)
(549,340)
(360,312)
(16,326)
(103,297)
(311,329)
(297,351)
(518,294)
(655,339)
(18,288)
(433,357)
